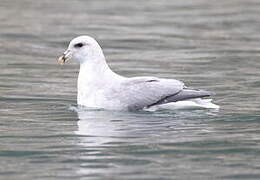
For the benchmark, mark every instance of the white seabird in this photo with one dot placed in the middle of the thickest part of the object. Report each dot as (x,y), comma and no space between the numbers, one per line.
(100,87)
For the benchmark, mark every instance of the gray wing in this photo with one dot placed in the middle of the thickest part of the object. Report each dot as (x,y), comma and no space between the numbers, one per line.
(141,92)
(184,94)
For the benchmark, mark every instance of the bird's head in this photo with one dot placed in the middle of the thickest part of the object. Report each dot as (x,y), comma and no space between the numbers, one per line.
(82,49)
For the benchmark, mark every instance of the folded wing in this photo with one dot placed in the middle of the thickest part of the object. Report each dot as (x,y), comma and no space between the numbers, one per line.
(140,92)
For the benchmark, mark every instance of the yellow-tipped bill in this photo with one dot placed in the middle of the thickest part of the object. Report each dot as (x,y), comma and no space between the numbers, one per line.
(66,55)
(61,60)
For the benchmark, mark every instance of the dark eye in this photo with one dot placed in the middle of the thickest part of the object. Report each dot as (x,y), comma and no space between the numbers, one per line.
(78,45)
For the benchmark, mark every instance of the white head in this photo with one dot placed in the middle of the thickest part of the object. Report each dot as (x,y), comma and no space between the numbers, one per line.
(82,49)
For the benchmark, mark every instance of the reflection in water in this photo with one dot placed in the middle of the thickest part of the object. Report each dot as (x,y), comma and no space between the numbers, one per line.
(121,139)
(100,127)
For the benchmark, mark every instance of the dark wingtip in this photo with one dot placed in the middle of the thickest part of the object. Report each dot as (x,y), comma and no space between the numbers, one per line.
(210,93)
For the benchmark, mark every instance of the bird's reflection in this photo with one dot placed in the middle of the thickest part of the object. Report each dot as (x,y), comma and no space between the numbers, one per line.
(113,138)
(99,127)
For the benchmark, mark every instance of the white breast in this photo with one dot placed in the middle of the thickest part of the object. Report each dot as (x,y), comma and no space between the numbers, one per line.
(94,88)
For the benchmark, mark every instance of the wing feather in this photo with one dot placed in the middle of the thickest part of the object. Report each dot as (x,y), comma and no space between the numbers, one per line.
(141,92)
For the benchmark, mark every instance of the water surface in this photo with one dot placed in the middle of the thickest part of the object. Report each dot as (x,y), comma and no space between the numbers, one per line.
(208,44)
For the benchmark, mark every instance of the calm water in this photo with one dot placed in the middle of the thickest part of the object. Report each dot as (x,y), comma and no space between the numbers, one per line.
(213,45)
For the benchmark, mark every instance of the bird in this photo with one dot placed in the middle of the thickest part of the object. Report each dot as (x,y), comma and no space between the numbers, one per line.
(100,87)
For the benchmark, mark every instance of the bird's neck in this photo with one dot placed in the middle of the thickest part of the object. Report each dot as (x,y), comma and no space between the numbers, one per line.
(96,70)
(95,75)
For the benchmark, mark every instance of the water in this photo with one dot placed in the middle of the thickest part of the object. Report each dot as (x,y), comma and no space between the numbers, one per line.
(212,45)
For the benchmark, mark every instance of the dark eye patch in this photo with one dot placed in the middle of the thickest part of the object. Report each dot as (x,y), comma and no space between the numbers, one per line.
(78,45)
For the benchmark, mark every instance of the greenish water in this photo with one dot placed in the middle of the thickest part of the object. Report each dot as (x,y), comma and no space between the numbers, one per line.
(208,44)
